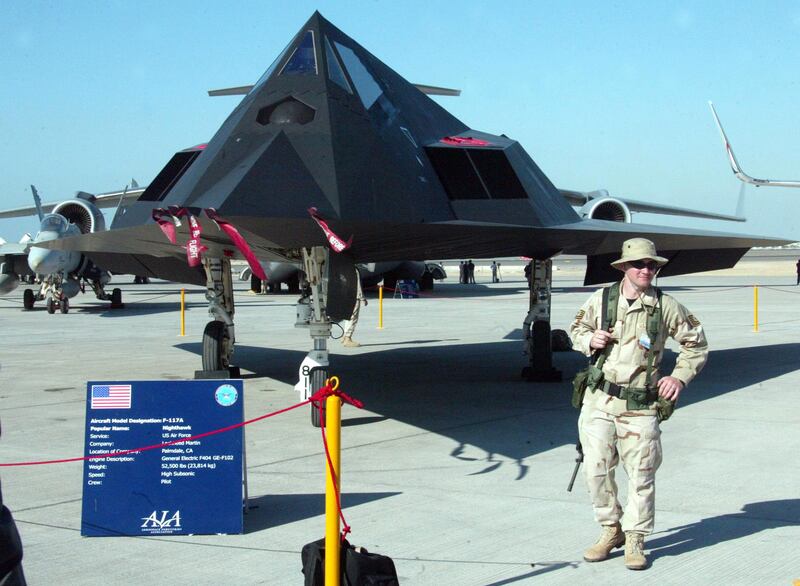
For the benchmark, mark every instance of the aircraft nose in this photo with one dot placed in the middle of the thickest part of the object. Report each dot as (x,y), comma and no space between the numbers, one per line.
(45,262)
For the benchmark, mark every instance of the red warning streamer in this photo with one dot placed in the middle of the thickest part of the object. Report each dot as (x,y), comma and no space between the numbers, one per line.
(337,244)
(239,241)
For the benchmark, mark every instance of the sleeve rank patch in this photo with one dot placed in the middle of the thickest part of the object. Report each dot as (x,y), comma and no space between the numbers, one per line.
(580,315)
(693,321)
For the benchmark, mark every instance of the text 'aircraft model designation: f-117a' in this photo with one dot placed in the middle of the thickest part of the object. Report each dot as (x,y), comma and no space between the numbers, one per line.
(333,159)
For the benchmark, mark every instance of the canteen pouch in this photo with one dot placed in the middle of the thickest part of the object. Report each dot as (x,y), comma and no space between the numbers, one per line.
(664,409)
(591,376)
(579,384)
(637,399)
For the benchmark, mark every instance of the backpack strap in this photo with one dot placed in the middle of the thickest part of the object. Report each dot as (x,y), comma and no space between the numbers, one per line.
(653,327)
(609,317)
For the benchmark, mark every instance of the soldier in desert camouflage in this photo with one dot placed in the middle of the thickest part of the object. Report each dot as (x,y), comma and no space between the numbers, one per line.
(620,414)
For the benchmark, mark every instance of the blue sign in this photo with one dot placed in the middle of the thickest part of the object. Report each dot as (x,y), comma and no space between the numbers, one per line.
(191,487)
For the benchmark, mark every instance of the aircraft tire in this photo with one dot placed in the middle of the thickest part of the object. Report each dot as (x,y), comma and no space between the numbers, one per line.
(64,305)
(27,299)
(213,340)
(116,297)
(255,284)
(51,305)
(318,378)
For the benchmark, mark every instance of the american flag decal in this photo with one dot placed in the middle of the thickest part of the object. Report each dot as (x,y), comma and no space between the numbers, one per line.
(111,397)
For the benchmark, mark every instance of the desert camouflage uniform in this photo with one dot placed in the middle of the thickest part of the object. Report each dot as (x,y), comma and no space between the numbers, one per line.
(608,430)
(350,328)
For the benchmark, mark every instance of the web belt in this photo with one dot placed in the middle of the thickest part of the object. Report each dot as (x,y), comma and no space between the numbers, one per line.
(621,392)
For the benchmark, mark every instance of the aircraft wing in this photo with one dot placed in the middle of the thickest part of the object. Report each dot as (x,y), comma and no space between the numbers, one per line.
(579,198)
(145,250)
(14,249)
(104,200)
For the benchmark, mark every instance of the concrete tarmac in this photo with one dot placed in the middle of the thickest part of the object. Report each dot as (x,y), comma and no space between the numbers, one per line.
(456,468)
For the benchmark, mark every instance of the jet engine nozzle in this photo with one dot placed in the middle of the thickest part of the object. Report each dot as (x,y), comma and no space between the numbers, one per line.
(606,208)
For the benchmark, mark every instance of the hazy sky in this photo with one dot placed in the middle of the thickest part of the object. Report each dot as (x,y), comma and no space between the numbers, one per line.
(601,95)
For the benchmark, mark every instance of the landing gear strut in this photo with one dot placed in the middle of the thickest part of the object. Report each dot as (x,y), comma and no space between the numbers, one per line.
(311,313)
(218,337)
(536,327)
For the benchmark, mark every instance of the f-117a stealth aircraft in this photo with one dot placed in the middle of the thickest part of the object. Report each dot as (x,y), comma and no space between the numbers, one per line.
(333,159)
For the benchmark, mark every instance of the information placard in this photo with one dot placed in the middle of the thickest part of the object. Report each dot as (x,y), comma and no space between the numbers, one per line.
(192,487)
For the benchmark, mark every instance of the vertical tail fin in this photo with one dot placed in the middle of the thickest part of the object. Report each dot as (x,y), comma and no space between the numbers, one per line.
(37,202)
(737,169)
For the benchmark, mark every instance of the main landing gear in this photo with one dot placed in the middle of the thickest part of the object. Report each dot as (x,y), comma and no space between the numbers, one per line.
(536,327)
(218,336)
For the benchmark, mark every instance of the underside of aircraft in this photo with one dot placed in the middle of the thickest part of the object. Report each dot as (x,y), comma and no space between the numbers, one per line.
(332,159)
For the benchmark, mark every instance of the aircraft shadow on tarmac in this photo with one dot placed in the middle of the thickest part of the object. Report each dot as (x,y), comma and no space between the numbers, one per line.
(272,510)
(473,393)
(753,518)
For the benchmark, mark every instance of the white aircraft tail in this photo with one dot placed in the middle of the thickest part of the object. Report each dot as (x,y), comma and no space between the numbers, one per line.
(737,169)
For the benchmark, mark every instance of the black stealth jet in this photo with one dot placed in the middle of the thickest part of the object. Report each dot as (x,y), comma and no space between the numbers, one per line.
(331,127)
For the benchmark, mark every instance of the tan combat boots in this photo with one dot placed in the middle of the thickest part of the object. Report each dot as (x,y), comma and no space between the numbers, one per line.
(611,537)
(634,551)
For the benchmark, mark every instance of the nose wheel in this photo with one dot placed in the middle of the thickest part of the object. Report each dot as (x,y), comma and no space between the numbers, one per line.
(51,305)
(64,305)
(318,378)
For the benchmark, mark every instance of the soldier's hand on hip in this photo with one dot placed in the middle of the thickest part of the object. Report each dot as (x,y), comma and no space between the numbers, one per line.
(670,387)
(600,339)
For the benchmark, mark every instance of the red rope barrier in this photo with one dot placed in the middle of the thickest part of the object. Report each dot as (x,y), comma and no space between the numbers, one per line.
(317,399)
(157,446)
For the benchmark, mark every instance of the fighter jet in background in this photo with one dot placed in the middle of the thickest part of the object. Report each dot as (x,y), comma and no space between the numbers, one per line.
(62,274)
(737,169)
(333,159)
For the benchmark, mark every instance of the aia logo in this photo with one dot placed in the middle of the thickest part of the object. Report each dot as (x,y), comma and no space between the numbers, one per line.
(162,521)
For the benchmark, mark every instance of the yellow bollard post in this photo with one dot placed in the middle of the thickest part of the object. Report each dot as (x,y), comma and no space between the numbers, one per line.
(755,308)
(380,307)
(333,412)
(183,312)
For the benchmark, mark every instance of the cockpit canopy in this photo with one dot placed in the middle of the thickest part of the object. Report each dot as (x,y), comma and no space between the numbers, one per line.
(54,223)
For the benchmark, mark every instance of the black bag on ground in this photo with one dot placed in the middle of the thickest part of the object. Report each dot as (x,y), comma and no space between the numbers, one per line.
(312,557)
(359,567)
(362,568)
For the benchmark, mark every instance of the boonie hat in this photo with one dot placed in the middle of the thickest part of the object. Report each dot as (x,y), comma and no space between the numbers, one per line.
(638,249)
